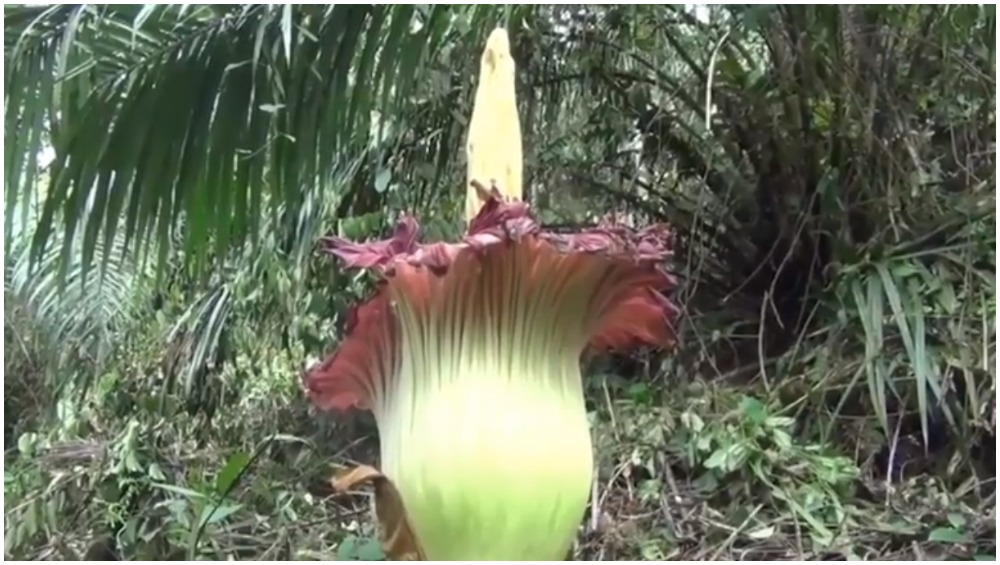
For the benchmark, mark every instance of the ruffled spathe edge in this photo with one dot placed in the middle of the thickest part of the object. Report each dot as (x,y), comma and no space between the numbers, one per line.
(499,222)
(639,315)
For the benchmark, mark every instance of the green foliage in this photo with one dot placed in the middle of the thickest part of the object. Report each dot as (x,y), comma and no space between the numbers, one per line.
(829,180)
(149,492)
(215,114)
(355,548)
(717,473)
(829,172)
(806,482)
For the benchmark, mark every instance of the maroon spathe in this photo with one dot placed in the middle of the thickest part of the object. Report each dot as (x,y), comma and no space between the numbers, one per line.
(634,313)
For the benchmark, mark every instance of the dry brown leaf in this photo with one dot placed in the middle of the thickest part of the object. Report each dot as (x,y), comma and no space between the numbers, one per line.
(395,533)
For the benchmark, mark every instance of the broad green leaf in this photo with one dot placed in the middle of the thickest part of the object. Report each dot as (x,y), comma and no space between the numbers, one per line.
(231,472)
(948,535)
(213,515)
(753,409)
(180,490)
(354,548)
(382,180)
(718,459)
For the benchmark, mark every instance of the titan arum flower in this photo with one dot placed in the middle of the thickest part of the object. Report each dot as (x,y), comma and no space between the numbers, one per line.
(468,355)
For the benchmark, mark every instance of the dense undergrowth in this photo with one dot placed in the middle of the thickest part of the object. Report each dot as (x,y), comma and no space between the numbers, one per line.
(833,396)
(708,472)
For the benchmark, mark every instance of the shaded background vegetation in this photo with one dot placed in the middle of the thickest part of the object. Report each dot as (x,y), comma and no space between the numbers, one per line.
(830,172)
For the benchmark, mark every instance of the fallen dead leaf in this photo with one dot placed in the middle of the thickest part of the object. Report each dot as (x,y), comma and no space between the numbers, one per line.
(395,533)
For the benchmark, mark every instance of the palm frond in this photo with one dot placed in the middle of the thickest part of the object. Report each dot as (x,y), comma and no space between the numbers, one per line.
(75,320)
(217,114)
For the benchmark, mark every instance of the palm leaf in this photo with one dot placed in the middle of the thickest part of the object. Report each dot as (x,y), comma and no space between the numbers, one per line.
(210,113)
(76,320)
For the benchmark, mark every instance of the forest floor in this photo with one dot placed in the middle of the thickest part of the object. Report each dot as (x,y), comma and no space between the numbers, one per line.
(713,473)
(719,475)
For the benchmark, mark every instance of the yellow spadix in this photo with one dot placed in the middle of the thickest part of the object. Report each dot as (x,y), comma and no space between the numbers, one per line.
(494,144)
